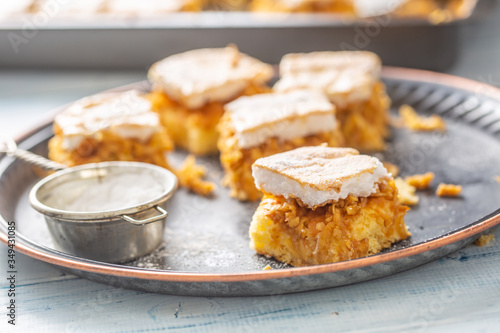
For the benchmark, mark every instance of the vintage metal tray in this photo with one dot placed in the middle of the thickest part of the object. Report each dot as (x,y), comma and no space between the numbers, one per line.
(205,249)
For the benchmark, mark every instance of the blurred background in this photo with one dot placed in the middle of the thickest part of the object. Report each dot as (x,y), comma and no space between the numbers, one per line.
(55,51)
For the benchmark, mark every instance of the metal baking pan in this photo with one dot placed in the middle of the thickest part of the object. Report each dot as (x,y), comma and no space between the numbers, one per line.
(136,43)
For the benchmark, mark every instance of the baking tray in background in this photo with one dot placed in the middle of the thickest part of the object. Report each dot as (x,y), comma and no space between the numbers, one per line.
(114,43)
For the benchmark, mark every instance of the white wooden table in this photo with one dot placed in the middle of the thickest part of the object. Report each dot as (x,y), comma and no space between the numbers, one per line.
(460,292)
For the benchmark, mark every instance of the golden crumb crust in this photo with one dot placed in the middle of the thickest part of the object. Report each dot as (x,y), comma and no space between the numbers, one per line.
(365,124)
(194,129)
(237,162)
(348,229)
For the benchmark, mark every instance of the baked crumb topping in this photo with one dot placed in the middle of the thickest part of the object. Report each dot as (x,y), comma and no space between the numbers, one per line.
(413,121)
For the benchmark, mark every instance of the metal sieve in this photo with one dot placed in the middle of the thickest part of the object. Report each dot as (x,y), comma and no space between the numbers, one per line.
(116,235)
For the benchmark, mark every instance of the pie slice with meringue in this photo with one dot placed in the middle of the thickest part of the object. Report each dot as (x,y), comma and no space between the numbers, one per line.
(323,205)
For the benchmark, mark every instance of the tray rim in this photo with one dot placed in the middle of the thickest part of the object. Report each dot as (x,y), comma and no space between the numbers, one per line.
(63,260)
(221,19)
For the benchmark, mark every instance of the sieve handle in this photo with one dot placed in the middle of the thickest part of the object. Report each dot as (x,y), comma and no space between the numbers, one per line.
(9,147)
(163,214)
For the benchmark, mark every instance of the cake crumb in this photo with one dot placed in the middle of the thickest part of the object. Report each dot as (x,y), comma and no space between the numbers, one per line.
(391,168)
(406,192)
(191,176)
(448,190)
(421,182)
(485,240)
(267,268)
(414,122)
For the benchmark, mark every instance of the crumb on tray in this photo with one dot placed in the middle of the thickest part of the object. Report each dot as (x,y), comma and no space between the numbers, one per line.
(190,175)
(415,122)
(485,240)
(406,192)
(421,182)
(448,190)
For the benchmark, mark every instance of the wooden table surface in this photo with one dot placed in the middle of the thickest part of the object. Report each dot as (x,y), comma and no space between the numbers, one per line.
(460,292)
